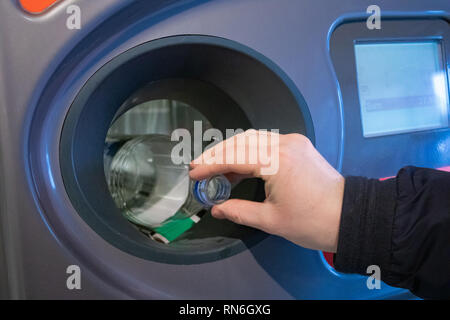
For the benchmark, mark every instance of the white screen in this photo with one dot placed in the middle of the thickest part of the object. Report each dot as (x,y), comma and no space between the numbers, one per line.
(402,87)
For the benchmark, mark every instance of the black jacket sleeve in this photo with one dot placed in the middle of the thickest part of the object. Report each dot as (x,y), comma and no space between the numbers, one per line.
(403,226)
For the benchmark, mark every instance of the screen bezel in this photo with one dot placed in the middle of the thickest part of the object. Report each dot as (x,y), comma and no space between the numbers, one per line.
(381,156)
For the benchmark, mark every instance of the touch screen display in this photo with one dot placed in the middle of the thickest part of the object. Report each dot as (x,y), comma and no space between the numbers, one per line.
(402,87)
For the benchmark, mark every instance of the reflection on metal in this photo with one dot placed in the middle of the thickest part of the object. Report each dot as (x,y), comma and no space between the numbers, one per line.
(156,117)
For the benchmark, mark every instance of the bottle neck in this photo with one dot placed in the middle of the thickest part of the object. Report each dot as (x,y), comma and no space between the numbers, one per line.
(212,191)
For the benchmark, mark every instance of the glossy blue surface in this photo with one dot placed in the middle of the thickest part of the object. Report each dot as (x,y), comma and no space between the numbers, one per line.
(297,36)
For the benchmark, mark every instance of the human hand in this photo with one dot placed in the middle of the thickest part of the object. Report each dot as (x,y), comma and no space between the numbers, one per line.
(303,197)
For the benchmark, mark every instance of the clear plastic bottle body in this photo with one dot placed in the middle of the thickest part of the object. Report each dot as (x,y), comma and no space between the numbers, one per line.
(152,188)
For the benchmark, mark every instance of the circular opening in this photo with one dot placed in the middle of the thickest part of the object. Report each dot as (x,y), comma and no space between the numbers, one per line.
(222,83)
(148,188)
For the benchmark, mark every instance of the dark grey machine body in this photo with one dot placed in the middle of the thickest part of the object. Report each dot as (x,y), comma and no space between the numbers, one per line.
(42,233)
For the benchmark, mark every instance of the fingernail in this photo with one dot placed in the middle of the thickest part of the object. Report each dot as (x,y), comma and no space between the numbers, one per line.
(190,174)
(216,212)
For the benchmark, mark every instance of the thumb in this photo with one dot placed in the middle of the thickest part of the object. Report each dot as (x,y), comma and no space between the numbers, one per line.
(248,213)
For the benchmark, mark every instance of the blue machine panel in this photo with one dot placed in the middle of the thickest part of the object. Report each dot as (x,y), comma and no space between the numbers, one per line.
(46,232)
(402,86)
(395,94)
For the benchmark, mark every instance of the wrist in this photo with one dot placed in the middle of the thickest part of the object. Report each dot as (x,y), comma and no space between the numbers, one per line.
(334,215)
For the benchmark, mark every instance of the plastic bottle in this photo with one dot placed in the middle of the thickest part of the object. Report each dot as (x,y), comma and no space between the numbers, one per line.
(152,189)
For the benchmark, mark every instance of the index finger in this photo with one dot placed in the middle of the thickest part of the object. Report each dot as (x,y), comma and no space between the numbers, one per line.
(232,156)
(204,171)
